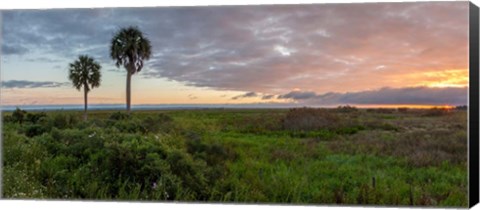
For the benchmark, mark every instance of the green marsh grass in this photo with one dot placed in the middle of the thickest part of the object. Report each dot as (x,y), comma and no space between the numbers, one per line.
(299,156)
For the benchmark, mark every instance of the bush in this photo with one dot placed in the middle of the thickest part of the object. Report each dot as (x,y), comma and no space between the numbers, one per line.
(346,109)
(119,116)
(213,154)
(34,130)
(435,112)
(130,126)
(21,116)
(95,123)
(307,119)
(160,122)
(134,159)
(163,118)
(54,173)
(62,120)
(100,163)
(35,117)
(381,110)
(349,130)
(7,118)
(419,148)
(256,123)
(18,116)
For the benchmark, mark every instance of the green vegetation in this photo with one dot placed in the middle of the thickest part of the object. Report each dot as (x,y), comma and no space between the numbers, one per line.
(302,156)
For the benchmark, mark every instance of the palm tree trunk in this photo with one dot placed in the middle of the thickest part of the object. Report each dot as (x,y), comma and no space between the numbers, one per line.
(129,78)
(86,102)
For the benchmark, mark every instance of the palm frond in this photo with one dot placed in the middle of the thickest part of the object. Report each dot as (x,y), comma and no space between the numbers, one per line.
(85,73)
(130,48)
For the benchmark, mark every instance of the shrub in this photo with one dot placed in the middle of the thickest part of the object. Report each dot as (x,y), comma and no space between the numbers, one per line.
(189,171)
(282,154)
(118,164)
(346,109)
(253,123)
(119,116)
(163,118)
(54,173)
(320,134)
(35,117)
(130,126)
(59,121)
(419,148)
(95,123)
(62,120)
(306,119)
(349,130)
(381,110)
(160,122)
(7,118)
(435,112)
(213,154)
(34,130)
(380,124)
(18,116)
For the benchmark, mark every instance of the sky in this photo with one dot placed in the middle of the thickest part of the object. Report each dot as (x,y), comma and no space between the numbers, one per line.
(371,54)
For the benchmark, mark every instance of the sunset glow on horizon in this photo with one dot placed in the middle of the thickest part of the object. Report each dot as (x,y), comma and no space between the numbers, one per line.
(401,55)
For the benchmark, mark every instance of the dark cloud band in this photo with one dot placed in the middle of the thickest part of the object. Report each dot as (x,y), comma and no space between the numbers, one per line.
(31,84)
(246,95)
(13,50)
(385,96)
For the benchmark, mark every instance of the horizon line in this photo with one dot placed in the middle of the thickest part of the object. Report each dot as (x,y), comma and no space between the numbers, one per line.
(117,106)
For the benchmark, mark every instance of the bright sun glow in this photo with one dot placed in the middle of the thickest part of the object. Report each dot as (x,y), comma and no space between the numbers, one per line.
(446,78)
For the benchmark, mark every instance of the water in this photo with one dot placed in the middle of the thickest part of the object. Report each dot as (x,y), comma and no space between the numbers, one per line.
(144,106)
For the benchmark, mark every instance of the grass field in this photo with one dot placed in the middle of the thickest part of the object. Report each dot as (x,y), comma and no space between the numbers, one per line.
(299,156)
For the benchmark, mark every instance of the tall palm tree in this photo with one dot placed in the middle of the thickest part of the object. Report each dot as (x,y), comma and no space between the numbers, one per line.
(130,48)
(85,72)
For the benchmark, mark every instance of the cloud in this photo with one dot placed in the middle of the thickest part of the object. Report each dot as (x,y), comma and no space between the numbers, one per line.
(385,96)
(414,95)
(43,60)
(265,49)
(246,95)
(63,33)
(59,67)
(13,50)
(267,97)
(298,95)
(317,47)
(31,84)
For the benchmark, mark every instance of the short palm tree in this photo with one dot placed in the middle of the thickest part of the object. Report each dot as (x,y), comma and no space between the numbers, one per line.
(85,73)
(130,48)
